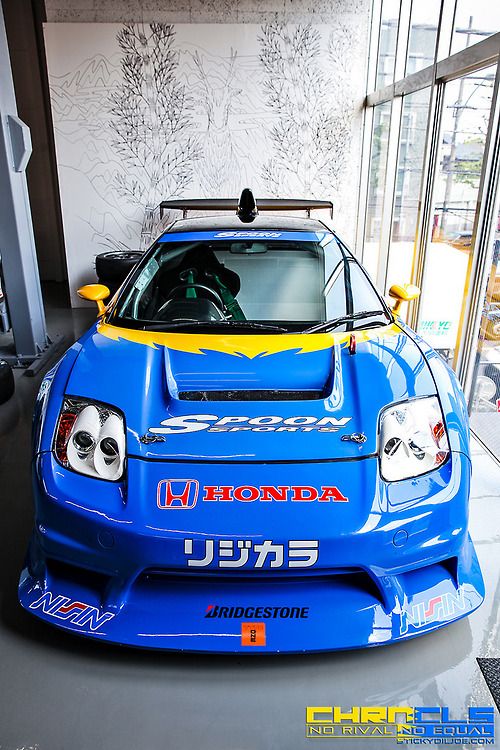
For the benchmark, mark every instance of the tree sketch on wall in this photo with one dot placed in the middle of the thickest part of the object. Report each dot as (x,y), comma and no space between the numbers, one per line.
(218,169)
(341,50)
(151,121)
(146,112)
(312,134)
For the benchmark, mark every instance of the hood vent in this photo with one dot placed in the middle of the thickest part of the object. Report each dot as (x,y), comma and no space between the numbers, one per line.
(249,395)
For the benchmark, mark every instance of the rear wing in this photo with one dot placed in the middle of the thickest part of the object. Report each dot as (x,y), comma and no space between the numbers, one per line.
(230,205)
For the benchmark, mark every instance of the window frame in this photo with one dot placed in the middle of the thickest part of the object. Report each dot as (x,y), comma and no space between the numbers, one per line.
(445,68)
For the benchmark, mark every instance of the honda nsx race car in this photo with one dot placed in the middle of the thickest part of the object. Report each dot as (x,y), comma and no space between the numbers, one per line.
(249,451)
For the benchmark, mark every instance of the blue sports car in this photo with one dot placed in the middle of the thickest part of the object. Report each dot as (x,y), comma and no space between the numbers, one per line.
(250,452)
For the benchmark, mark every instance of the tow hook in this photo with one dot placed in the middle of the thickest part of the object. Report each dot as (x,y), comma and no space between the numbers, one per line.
(355,437)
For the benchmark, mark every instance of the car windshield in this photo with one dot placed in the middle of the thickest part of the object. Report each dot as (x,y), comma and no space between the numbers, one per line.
(281,281)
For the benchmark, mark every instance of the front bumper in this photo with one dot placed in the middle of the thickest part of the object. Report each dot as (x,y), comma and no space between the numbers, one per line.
(393,562)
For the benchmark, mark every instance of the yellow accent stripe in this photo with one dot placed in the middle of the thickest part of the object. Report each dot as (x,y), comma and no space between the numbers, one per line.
(241,345)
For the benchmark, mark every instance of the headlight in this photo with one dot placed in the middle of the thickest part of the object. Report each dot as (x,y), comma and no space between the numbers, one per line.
(90,439)
(413,439)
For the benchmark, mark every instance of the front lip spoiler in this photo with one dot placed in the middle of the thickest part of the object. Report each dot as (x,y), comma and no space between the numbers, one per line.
(162,614)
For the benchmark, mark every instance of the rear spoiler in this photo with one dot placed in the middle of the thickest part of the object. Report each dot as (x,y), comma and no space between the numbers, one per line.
(230,205)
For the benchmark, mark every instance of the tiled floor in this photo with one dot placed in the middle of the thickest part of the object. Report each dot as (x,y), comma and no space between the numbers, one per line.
(59,692)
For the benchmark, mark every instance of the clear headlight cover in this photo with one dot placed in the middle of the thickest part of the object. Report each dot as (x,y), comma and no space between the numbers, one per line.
(90,439)
(412,439)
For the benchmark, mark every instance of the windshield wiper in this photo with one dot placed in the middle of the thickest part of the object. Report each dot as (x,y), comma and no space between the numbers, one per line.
(233,324)
(330,325)
(251,325)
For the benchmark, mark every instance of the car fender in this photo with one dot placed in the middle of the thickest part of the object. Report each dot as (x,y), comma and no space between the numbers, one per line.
(50,397)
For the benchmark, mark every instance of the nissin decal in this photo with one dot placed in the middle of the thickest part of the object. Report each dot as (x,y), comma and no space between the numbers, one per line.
(78,613)
(184,493)
(436,609)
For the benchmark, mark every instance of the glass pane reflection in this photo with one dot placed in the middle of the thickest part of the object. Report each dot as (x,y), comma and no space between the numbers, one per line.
(423,34)
(485,391)
(474,21)
(387,42)
(409,175)
(376,187)
(466,112)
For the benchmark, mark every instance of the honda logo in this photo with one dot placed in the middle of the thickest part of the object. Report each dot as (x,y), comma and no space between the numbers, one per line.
(177,493)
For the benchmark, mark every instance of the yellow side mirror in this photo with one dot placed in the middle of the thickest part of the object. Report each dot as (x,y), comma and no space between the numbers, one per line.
(95,293)
(403,293)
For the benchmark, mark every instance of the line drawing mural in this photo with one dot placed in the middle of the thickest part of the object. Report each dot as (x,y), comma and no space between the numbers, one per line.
(219,170)
(312,134)
(147,112)
(151,121)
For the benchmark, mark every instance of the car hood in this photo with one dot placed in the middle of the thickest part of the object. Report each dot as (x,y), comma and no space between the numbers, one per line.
(249,398)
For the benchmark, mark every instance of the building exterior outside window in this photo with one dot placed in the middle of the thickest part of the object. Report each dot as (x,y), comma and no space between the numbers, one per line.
(423,35)
(466,111)
(387,42)
(376,187)
(408,181)
(474,21)
(432,185)
(485,391)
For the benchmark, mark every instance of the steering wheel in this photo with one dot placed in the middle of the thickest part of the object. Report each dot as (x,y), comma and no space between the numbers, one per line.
(183,287)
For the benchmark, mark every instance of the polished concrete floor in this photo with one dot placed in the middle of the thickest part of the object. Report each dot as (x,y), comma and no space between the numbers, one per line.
(58,692)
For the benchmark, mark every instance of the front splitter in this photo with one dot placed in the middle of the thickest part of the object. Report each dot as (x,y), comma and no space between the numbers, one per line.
(259,615)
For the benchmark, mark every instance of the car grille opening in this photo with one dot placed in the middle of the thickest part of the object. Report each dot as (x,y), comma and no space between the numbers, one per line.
(338,577)
(251,395)
(70,574)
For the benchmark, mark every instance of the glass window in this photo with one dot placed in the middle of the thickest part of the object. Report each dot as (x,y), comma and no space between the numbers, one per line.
(485,398)
(423,34)
(409,175)
(467,104)
(474,20)
(387,42)
(376,186)
(210,280)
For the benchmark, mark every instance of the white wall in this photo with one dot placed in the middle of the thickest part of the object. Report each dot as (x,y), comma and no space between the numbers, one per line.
(260,98)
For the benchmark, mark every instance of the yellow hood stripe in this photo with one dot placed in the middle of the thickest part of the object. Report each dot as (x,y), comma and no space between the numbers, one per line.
(241,345)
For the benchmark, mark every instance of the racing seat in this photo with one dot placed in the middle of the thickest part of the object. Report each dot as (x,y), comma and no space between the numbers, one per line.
(201,274)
